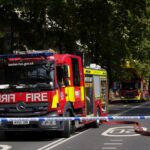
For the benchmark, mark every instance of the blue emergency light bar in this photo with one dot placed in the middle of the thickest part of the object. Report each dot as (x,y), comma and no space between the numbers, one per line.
(45,54)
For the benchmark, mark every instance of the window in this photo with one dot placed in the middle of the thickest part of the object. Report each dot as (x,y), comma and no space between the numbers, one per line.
(43,73)
(60,76)
(76,74)
(97,86)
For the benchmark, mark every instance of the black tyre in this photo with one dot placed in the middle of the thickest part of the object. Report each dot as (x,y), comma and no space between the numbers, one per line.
(73,128)
(67,126)
(96,123)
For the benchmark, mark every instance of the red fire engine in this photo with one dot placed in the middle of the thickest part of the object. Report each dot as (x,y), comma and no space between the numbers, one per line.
(47,84)
(136,86)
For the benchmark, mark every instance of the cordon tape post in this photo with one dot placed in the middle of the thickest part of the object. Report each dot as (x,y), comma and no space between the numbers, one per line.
(109,120)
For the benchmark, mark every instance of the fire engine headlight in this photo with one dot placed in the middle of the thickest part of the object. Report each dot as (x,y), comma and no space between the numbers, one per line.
(48,123)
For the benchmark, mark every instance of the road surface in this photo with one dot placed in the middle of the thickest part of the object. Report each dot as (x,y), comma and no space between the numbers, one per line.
(106,137)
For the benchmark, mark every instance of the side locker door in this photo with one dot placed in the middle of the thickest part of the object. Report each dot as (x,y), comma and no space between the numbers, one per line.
(104,94)
(96,87)
(89,94)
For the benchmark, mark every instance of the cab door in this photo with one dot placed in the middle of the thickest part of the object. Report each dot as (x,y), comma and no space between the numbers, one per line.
(76,78)
(60,83)
(89,91)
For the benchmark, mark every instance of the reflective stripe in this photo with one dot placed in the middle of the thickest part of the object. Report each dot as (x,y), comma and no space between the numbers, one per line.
(70,95)
(68,71)
(55,100)
(82,93)
(95,72)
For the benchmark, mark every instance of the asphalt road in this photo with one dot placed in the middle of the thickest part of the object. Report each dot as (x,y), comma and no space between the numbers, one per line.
(106,137)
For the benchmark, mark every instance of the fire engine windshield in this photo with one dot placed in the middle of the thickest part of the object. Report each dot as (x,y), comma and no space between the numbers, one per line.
(33,76)
(129,85)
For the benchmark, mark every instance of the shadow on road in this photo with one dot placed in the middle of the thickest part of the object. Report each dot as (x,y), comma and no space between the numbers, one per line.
(30,136)
(36,136)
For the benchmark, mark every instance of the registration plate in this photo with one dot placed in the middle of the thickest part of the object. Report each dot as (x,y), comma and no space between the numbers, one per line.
(21,122)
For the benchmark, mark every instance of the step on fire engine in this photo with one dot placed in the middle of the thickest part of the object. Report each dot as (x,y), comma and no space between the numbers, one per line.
(48,84)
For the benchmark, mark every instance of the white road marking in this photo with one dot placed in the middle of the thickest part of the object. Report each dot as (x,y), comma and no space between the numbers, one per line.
(42,148)
(122,131)
(113,143)
(5,147)
(52,145)
(109,148)
(66,140)
(116,140)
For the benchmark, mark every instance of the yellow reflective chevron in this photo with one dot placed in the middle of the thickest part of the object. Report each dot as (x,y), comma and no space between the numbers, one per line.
(68,71)
(82,93)
(70,95)
(55,100)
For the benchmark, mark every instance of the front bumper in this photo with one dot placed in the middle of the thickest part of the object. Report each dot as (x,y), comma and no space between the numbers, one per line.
(130,98)
(30,124)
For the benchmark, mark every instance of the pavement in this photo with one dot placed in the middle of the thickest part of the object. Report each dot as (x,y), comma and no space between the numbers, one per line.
(112,99)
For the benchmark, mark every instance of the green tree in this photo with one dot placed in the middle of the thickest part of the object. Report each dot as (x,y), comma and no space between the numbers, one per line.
(109,30)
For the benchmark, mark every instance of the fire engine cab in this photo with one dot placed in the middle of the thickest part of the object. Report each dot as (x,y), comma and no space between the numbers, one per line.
(48,84)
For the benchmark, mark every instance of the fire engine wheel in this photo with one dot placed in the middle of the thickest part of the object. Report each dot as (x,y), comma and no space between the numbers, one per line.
(97,122)
(68,126)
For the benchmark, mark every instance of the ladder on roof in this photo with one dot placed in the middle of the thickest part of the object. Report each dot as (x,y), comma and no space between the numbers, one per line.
(34,51)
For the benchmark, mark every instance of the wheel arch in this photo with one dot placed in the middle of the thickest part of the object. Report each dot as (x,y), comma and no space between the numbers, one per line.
(69,107)
(99,107)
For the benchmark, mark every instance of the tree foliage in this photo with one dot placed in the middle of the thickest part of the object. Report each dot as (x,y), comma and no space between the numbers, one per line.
(109,31)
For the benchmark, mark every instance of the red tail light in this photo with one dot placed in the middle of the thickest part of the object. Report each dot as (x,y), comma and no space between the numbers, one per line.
(136,93)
